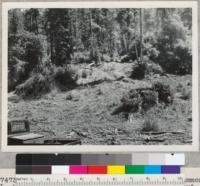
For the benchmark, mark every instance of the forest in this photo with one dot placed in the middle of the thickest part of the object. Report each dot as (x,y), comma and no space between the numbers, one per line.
(108,71)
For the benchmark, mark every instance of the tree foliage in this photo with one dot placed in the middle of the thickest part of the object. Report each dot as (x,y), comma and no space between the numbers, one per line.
(59,34)
(25,52)
(174,47)
(41,38)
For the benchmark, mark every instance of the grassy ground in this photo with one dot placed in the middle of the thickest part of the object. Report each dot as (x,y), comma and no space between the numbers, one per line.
(88,108)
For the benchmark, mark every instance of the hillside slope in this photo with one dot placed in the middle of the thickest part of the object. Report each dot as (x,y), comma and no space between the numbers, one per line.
(86,111)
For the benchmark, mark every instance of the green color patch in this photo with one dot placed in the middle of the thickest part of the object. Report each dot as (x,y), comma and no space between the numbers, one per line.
(134,169)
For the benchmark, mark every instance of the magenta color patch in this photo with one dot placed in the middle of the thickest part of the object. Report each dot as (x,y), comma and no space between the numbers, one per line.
(78,169)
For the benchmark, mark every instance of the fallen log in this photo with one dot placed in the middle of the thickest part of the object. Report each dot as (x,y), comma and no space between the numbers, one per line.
(153,133)
(159,133)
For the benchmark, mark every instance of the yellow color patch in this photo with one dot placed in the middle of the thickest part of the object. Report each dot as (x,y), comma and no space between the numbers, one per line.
(116,169)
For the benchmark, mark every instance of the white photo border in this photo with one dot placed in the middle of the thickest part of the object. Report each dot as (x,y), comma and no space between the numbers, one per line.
(101,148)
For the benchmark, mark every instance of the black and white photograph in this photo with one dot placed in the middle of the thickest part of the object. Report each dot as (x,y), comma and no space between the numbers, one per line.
(100,76)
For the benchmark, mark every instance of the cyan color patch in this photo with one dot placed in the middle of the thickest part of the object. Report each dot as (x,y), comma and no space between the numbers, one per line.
(152,169)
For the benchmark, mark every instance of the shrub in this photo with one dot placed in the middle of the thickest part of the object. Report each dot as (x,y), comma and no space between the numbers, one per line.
(185,94)
(183,62)
(179,87)
(150,124)
(153,68)
(81,57)
(15,72)
(43,82)
(149,98)
(125,58)
(164,92)
(69,97)
(34,87)
(176,61)
(152,52)
(138,71)
(129,103)
(106,58)
(63,78)
(84,73)
(137,100)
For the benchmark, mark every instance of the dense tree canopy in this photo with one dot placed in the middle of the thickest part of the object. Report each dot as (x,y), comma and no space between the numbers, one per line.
(65,36)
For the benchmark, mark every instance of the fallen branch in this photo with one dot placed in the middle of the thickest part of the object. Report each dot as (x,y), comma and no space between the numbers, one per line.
(153,133)
(159,133)
(79,133)
(154,140)
(177,132)
(186,141)
(119,78)
(149,140)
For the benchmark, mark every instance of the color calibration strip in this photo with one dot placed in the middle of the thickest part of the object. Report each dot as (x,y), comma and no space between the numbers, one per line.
(101,159)
(101,169)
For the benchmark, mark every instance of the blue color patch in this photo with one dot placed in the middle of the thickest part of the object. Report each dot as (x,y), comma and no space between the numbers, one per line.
(152,169)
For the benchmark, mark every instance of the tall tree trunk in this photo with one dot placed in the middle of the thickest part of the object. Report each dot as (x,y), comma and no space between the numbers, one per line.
(76,26)
(91,32)
(94,47)
(52,48)
(135,35)
(141,35)
(37,29)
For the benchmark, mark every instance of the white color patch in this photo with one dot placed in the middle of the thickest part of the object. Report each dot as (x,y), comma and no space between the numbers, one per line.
(60,169)
(175,159)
